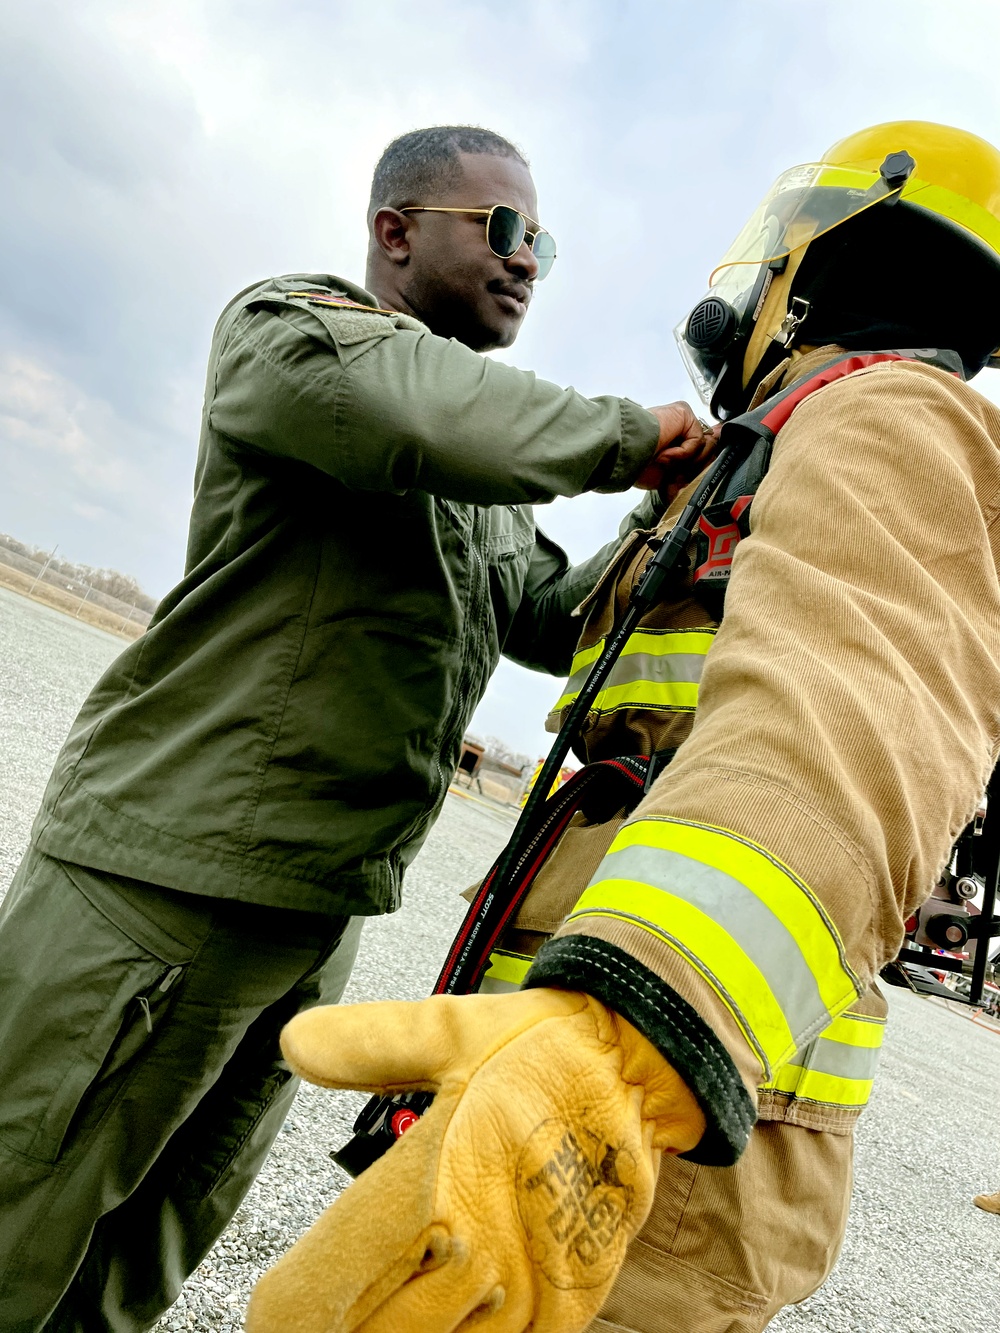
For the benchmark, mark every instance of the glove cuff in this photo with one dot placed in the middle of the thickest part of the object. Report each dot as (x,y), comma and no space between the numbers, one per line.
(679,1033)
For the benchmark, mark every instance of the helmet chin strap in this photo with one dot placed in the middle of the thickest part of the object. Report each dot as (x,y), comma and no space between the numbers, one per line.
(770,382)
(778,326)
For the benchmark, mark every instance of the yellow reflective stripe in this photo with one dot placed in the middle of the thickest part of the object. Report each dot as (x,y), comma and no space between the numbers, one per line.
(677,696)
(838,1066)
(955,207)
(506,971)
(659,642)
(745,921)
(656,669)
(815,1086)
(709,948)
(509,966)
(585,656)
(856,1030)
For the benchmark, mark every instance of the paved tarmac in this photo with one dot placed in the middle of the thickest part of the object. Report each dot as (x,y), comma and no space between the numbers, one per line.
(918,1256)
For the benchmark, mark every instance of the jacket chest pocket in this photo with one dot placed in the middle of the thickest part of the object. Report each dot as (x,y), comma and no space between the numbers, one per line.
(509,539)
(508,532)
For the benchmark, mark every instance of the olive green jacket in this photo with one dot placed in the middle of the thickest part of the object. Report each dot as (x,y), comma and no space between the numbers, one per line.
(362,549)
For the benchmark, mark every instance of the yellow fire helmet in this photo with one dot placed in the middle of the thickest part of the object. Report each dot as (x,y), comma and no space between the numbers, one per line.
(892,238)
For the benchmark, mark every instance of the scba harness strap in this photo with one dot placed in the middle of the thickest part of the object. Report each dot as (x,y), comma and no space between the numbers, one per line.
(726,521)
(599,790)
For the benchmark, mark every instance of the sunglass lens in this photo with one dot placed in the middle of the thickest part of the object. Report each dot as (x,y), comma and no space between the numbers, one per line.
(543,247)
(505,232)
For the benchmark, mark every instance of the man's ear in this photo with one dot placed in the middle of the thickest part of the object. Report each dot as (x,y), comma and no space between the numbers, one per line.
(391,232)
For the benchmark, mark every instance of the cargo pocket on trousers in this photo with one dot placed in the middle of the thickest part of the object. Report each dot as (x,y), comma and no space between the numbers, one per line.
(80,999)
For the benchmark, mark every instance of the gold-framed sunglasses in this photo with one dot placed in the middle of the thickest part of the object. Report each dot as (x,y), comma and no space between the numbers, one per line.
(506,231)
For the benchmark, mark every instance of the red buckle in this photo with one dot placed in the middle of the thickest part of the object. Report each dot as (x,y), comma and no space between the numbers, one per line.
(402,1120)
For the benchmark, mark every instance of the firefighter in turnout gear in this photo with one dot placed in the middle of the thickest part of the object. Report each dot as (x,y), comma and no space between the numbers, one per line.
(643,1123)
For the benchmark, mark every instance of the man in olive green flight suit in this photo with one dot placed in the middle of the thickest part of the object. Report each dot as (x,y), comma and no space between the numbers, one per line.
(265,762)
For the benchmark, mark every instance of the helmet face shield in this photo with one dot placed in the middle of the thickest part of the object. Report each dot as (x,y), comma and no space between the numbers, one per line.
(947,175)
(802,204)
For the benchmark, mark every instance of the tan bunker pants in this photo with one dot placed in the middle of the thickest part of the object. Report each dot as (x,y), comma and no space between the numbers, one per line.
(725,1248)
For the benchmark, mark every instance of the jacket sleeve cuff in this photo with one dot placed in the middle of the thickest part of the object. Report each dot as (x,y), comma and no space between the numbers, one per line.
(680,1034)
(640,432)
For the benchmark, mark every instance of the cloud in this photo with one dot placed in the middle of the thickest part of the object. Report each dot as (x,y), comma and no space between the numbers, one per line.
(70,454)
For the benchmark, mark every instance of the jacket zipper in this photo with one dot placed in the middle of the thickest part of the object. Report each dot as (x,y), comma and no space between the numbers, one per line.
(160,988)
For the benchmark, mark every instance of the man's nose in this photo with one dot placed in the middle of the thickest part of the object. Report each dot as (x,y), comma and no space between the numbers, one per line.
(522,263)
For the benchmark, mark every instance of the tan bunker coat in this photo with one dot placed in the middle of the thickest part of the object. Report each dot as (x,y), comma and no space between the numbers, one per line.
(848,716)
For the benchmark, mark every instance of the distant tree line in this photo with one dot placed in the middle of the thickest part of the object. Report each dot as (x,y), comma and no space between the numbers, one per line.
(109,581)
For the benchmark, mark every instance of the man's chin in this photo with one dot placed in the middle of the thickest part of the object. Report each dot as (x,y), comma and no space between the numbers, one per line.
(488,330)
(495,337)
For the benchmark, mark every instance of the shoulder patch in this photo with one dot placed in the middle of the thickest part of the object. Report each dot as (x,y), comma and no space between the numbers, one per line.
(329,299)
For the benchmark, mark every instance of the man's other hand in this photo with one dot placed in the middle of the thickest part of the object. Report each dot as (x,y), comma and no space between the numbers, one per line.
(685,446)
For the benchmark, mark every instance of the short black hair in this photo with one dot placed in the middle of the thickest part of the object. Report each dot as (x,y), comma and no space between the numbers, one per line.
(420,161)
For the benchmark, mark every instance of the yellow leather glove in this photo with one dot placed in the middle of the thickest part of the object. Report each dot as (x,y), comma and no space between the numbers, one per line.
(510,1203)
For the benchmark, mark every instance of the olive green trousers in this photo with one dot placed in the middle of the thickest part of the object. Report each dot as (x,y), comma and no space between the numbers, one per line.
(141,1082)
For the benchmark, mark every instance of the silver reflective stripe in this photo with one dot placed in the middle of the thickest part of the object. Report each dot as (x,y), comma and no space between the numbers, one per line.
(750,922)
(661,668)
(497,986)
(842,1061)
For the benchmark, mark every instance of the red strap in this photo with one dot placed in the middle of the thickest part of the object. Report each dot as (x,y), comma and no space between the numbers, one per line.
(554,815)
(780,412)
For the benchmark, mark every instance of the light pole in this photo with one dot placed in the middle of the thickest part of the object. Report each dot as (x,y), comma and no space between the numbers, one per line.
(43,568)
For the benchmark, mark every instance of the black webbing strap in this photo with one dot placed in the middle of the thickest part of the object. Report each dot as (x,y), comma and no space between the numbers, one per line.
(599,790)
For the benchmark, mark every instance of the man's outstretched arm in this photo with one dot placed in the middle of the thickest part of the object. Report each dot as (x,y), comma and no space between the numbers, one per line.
(382,404)
(545,630)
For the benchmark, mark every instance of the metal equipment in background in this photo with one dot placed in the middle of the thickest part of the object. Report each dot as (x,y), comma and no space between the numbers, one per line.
(956,931)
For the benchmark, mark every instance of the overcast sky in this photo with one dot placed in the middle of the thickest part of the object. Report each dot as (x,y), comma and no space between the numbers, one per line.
(158,157)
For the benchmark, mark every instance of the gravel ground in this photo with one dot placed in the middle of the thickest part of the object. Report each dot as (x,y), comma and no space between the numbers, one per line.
(918,1256)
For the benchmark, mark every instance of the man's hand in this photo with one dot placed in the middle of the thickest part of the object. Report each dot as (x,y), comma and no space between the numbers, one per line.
(510,1203)
(686,444)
